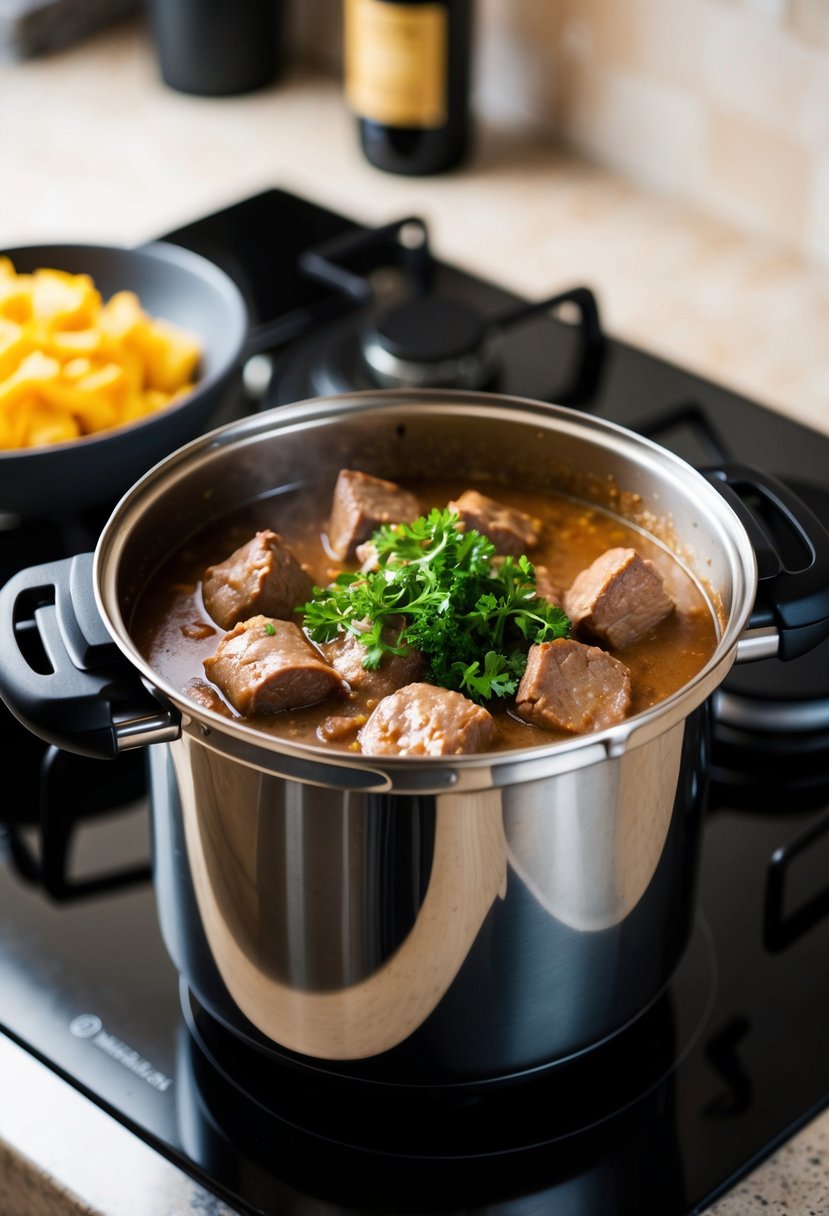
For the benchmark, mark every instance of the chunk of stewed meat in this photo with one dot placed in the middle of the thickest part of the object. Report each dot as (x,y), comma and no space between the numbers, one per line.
(617,599)
(347,655)
(545,586)
(264,665)
(425,720)
(205,695)
(510,530)
(340,728)
(573,687)
(361,503)
(262,577)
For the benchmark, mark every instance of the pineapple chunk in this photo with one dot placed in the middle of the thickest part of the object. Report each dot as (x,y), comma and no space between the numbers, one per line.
(72,364)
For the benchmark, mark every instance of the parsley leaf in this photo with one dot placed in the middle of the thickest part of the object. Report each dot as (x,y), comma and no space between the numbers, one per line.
(444,592)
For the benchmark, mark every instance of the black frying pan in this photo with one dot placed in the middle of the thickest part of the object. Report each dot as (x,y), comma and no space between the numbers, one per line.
(172,283)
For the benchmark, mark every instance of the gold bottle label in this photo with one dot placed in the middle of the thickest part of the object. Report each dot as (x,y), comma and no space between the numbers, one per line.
(395,62)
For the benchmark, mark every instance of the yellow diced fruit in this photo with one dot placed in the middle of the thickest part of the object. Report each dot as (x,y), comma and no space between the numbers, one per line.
(155,399)
(48,425)
(73,369)
(67,343)
(71,365)
(94,399)
(13,421)
(133,408)
(132,365)
(34,370)
(103,392)
(70,301)
(121,315)
(109,379)
(14,345)
(140,405)
(171,355)
(16,299)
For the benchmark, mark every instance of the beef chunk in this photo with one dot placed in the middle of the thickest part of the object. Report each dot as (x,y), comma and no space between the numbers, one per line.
(617,599)
(545,588)
(424,720)
(510,530)
(262,577)
(263,666)
(360,505)
(340,728)
(205,694)
(346,653)
(197,631)
(573,687)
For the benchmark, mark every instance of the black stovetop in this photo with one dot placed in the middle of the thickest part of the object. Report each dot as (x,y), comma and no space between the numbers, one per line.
(727,1065)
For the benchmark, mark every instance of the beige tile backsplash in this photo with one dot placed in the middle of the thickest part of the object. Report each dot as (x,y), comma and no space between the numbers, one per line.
(723,103)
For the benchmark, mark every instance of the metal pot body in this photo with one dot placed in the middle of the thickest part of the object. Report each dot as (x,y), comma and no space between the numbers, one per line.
(429,921)
(429,939)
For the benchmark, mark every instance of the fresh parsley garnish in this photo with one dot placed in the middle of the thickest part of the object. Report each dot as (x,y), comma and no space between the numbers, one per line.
(442,591)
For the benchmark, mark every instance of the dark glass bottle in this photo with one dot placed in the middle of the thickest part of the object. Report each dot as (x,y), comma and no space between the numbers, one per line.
(407,80)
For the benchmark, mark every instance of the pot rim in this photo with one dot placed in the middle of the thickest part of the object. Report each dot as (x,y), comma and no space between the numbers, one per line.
(421,774)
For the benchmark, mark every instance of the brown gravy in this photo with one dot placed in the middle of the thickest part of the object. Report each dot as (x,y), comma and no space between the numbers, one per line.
(174,633)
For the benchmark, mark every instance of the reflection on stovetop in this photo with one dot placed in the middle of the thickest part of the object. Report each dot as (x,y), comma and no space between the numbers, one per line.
(728,1062)
(661,1119)
(585,1138)
(460,1123)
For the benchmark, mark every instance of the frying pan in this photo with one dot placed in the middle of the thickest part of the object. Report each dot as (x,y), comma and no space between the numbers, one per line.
(172,283)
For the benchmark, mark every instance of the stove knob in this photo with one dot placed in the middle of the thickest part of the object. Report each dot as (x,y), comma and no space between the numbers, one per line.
(430,342)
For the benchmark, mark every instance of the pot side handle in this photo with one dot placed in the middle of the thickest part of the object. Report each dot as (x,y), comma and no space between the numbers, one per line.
(61,673)
(791,545)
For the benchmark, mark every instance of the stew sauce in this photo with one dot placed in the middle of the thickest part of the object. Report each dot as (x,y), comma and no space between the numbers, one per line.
(175,633)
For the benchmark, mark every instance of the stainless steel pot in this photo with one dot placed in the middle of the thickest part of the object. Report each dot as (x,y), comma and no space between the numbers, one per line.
(417,921)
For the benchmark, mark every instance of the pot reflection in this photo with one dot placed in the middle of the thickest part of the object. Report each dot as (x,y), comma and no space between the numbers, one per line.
(598,1138)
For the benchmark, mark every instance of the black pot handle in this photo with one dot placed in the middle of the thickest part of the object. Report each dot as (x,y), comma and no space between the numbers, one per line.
(61,673)
(792,593)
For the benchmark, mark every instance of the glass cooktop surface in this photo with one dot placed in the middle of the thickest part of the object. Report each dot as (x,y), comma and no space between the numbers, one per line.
(665,1118)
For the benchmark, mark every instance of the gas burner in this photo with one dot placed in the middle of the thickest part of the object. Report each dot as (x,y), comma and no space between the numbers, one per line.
(429,342)
(775,707)
(783,705)
(770,745)
(773,698)
(407,330)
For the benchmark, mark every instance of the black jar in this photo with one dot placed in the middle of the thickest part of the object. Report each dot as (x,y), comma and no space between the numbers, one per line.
(407,80)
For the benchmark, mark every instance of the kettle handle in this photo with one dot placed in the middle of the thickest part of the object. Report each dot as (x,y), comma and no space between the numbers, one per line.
(791,609)
(63,676)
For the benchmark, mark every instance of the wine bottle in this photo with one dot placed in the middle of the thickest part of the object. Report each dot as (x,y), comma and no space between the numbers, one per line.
(407,77)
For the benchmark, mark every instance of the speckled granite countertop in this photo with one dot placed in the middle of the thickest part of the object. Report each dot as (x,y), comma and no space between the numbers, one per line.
(94,147)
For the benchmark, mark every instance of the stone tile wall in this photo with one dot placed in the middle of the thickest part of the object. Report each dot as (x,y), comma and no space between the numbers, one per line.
(722,103)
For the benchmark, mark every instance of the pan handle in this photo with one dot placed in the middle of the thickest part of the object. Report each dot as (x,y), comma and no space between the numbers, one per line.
(62,674)
(791,610)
